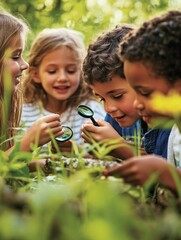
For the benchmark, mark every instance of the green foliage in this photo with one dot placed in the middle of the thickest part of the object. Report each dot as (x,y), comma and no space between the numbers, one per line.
(88,16)
(77,201)
(84,208)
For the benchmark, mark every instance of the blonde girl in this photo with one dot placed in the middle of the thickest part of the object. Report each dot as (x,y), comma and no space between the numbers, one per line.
(12,42)
(53,82)
(12,32)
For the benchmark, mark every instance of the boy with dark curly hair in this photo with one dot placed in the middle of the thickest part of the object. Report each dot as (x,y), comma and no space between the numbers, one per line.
(103,71)
(152,64)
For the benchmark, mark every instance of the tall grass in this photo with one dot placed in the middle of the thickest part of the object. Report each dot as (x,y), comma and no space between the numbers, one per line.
(76,201)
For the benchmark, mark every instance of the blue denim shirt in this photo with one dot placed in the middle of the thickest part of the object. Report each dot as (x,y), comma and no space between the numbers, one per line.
(154,141)
(128,133)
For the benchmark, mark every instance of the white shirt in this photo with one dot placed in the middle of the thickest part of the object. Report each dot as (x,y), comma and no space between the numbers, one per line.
(174,147)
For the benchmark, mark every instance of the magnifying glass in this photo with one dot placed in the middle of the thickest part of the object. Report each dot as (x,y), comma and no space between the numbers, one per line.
(86,112)
(68,133)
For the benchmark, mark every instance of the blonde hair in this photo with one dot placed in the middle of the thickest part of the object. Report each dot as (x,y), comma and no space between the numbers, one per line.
(48,40)
(10,27)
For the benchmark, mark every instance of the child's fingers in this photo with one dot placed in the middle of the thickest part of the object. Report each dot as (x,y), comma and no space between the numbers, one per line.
(86,137)
(120,169)
(50,118)
(89,128)
(53,124)
(102,122)
(57,133)
(50,127)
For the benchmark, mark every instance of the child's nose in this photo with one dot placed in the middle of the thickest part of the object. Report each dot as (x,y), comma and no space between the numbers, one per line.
(138,105)
(62,75)
(109,108)
(24,65)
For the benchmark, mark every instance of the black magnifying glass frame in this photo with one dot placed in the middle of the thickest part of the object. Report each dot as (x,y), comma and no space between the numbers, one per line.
(67,135)
(86,112)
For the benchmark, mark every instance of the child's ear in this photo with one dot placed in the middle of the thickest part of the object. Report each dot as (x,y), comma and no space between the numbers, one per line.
(35,75)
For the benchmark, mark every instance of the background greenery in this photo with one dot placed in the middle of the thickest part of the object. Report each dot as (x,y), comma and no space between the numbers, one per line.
(88,16)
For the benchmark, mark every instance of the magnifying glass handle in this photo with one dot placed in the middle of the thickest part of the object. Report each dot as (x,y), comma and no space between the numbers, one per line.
(94,121)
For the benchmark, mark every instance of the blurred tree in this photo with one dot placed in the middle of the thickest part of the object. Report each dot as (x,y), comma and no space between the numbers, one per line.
(88,16)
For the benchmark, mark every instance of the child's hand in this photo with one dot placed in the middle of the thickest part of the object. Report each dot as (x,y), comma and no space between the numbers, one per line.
(104,133)
(40,132)
(138,170)
(101,133)
(42,164)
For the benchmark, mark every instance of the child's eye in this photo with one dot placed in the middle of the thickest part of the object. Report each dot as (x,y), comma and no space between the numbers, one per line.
(144,92)
(15,57)
(118,96)
(71,71)
(52,71)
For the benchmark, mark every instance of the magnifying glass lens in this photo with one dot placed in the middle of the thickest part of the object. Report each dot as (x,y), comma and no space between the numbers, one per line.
(85,111)
(68,133)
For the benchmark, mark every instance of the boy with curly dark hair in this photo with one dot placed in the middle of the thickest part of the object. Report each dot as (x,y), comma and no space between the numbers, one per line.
(103,70)
(152,64)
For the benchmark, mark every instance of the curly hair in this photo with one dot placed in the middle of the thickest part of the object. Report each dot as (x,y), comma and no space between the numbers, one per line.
(157,44)
(46,41)
(101,61)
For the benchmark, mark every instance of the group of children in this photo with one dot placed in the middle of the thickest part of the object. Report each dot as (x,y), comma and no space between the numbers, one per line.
(123,67)
(152,56)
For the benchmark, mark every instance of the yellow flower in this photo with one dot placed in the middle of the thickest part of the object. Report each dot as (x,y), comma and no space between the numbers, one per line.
(169,105)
